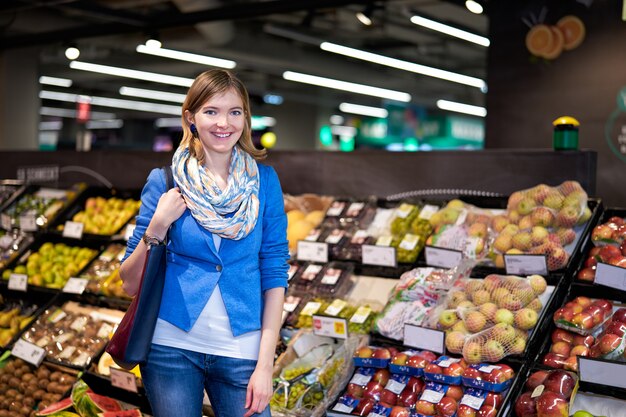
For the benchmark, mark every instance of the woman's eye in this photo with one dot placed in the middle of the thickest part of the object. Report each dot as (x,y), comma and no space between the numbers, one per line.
(210,112)
(236,112)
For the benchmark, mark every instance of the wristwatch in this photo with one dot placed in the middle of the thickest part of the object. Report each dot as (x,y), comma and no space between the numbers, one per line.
(152,241)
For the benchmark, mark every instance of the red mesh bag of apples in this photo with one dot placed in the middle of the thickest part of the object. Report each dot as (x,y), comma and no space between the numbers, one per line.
(547,394)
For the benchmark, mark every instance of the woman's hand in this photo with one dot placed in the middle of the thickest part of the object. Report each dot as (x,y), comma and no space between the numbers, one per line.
(170,207)
(259,391)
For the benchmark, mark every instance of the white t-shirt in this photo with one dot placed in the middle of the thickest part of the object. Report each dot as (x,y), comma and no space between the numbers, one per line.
(211,333)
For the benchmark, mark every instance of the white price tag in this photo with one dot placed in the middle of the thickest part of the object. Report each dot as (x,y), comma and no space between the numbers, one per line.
(378,255)
(361,314)
(32,354)
(395,386)
(424,338)
(335,307)
(342,408)
(128,232)
(472,402)
(404,210)
(5,221)
(409,242)
(75,285)
(447,362)
(28,223)
(73,230)
(330,326)
(360,379)
(611,276)
(432,396)
(598,371)
(427,211)
(312,251)
(442,257)
(18,282)
(124,380)
(526,264)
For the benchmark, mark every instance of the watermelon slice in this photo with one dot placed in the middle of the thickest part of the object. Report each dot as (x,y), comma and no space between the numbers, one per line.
(56,407)
(104,403)
(125,413)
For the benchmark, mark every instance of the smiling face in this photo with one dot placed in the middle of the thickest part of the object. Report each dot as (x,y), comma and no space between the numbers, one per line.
(220,122)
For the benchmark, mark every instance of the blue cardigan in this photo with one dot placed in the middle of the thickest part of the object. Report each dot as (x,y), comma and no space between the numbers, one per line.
(244,268)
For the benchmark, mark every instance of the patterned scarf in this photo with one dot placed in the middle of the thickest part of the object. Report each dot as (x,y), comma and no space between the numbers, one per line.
(209,204)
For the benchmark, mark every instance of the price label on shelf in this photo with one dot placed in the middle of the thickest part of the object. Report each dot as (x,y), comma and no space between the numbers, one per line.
(312,251)
(18,282)
(378,255)
(330,327)
(526,264)
(75,285)
(611,276)
(599,371)
(442,257)
(28,223)
(5,221)
(73,230)
(28,352)
(128,232)
(424,338)
(123,379)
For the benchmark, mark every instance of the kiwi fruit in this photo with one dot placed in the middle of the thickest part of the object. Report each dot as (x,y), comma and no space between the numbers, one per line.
(43,383)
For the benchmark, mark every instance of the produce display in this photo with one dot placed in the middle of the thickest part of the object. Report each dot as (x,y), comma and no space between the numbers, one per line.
(15,315)
(488,319)
(102,216)
(565,347)
(24,389)
(7,189)
(103,272)
(53,264)
(304,213)
(41,205)
(552,400)
(330,280)
(12,243)
(73,334)
(609,248)
(611,343)
(583,315)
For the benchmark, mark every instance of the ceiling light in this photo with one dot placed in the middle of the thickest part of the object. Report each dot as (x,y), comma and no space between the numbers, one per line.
(130,73)
(365,16)
(474,6)
(363,110)
(152,94)
(345,131)
(274,99)
(262,122)
(336,119)
(112,102)
(105,124)
(403,65)
(347,86)
(59,82)
(186,56)
(168,122)
(52,125)
(462,108)
(71,114)
(153,43)
(450,30)
(72,53)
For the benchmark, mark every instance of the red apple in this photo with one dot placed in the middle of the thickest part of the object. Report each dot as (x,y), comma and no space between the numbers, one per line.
(526,406)
(583,340)
(382,376)
(597,313)
(453,370)
(619,261)
(579,350)
(364,352)
(571,364)
(496,376)
(389,397)
(428,355)
(536,379)
(486,411)
(616,327)
(431,368)
(560,335)
(425,408)
(373,390)
(616,220)
(472,373)
(591,262)
(583,321)
(595,251)
(587,274)
(561,348)
(455,391)
(446,407)
(623,249)
(553,360)
(399,358)
(620,315)
(604,304)
(609,342)
(407,397)
(393,351)
(415,384)
(398,411)
(381,353)
(465,411)
(417,361)
(355,390)
(550,404)
(607,252)
(364,407)
(508,371)
(494,400)
(560,382)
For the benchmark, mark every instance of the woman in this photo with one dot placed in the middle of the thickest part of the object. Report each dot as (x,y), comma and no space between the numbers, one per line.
(227,254)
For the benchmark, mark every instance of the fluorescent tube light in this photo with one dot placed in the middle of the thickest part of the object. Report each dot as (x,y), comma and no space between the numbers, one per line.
(363,18)
(462,108)
(152,94)
(52,125)
(113,102)
(59,82)
(105,124)
(187,56)
(450,30)
(169,122)
(363,110)
(71,114)
(347,86)
(403,65)
(130,73)
(473,6)
(153,43)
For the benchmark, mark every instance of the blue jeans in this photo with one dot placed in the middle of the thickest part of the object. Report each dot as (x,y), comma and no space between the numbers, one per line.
(175,380)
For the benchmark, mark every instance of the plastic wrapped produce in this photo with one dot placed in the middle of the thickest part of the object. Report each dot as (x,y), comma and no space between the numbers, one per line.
(611,343)
(612,232)
(565,348)
(583,315)
(12,243)
(558,388)
(42,205)
(103,272)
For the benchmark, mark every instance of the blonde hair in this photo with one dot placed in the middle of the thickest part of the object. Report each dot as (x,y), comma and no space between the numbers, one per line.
(205,86)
